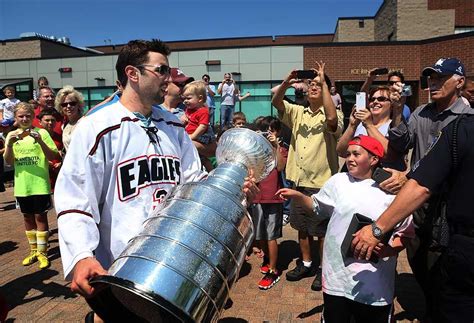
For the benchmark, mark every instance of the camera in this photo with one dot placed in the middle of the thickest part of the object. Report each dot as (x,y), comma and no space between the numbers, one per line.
(406,90)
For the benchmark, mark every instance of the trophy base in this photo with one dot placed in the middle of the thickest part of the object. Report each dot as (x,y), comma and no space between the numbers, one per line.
(119,300)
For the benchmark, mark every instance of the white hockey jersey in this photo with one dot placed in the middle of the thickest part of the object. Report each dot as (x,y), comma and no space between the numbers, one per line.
(114,174)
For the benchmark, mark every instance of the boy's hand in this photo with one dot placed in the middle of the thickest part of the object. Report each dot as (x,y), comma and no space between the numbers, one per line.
(383,250)
(287,193)
(250,188)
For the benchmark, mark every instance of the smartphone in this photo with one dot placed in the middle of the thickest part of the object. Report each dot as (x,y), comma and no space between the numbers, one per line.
(361,101)
(406,90)
(380,71)
(379,175)
(424,82)
(306,74)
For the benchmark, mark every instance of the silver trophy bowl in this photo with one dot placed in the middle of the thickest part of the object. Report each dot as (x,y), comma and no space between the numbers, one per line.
(182,265)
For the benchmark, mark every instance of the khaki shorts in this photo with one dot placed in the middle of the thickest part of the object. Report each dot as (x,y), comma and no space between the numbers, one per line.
(307,222)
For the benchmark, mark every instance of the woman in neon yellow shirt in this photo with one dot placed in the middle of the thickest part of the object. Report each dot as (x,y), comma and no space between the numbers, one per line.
(29,150)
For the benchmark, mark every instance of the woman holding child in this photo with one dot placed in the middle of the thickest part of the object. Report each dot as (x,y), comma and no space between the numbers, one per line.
(355,288)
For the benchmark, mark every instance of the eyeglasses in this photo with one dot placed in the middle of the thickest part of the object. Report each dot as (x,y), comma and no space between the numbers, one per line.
(72,104)
(379,98)
(392,82)
(162,69)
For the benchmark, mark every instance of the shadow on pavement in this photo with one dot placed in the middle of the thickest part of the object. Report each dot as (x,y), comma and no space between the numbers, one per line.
(288,250)
(7,246)
(17,290)
(315,310)
(245,270)
(409,296)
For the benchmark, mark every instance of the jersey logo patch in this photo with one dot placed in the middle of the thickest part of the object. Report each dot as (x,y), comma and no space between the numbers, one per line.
(144,171)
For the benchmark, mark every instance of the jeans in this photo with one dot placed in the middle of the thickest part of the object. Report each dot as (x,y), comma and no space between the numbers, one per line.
(226,114)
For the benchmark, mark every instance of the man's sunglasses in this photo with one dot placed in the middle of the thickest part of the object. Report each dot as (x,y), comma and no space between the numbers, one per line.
(162,69)
(379,98)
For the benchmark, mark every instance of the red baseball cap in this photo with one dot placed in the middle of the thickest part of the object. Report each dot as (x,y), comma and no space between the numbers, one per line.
(370,144)
(177,76)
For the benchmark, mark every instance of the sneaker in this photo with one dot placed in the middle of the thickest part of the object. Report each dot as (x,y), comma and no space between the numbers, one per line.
(299,272)
(264,268)
(317,284)
(270,279)
(30,259)
(286,219)
(43,260)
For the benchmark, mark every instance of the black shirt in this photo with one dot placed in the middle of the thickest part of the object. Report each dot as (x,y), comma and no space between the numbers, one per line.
(436,168)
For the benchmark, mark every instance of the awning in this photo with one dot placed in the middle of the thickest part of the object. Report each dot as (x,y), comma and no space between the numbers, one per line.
(6,82)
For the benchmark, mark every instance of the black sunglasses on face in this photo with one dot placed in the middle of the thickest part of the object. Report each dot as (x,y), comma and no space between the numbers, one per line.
(162,69)
(65,104)
(379,98)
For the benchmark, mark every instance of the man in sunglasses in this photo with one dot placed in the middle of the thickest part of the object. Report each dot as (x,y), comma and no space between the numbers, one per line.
(124,156)
(446,79)
(45,102)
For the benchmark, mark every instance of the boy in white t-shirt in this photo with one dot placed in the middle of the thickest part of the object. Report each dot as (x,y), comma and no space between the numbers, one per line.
(6,107)
(353,288)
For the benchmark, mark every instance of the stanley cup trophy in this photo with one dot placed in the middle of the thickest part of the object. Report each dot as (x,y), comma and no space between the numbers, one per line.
(181,267)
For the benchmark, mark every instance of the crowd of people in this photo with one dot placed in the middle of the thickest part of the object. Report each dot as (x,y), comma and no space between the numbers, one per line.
(107,167)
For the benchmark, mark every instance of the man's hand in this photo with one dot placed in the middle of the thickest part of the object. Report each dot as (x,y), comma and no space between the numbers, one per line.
(84,270)
(320,70)
(395,183)
(364,243)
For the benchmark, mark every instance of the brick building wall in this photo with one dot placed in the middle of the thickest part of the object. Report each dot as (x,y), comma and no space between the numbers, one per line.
(386,21)
(464,10)
(54,49)
(415,21)
(18,50)
(350,62)
(349,30)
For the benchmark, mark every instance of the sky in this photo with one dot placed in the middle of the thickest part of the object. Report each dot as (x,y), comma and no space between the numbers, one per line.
(99,22)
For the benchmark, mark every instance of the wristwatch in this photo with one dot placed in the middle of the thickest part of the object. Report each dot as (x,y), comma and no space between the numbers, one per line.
(376,231)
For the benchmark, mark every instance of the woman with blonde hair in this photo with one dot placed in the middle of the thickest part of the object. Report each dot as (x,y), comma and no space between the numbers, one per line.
(29,149)
(70,103)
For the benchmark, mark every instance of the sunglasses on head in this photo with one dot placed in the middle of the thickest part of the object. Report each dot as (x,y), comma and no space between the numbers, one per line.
(379,98)
(72,104)
(162,69)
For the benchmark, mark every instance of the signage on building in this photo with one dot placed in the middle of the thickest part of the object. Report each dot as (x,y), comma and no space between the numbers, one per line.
(365,71)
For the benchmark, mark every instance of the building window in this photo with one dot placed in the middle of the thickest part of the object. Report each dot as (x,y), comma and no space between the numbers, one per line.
(361,23)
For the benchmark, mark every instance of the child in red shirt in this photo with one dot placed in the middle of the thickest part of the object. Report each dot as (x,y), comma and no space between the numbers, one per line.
(197,120)
(267,209)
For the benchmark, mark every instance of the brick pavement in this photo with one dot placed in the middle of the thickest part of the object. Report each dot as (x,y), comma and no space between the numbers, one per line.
(35,295)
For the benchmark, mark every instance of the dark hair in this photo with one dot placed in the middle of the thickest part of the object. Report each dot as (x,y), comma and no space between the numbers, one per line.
(269,123)
(206,75)
(136,53)
(238,115)
(379,88)
(46,112)
(328,80)
(43,78)
(396,73)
